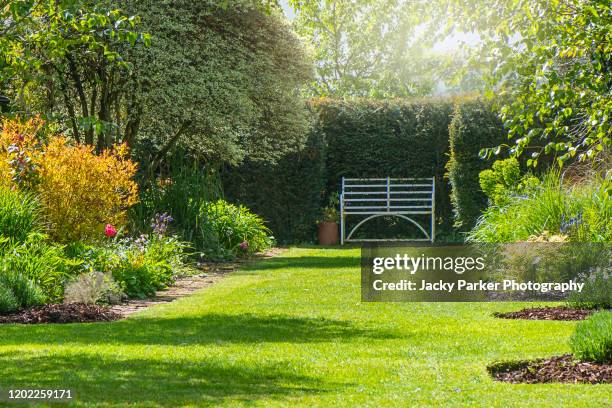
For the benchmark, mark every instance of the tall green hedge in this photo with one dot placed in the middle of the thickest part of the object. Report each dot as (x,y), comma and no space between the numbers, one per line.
(396,138)
(287,195)
(474,125)
(371,138)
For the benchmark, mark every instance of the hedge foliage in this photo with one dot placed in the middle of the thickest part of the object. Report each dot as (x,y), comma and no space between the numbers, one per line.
(370,138)
(474,125)
(288,195)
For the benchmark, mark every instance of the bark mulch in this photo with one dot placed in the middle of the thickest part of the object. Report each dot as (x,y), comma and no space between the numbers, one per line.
(182,287)
(62,313)
(547,313)
(563,369)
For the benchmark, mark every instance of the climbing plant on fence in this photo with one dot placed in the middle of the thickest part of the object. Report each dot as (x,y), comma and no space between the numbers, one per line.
(369,138)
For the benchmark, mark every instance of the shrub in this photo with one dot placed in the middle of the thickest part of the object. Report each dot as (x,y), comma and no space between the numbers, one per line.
(592,340)
(236,228)
(549,258)
(8,301)
(93,288)
(504,179)
(17,291)
(19,214)
(20,151)
(474,126)
(583,212)
(597,290)
(82,191)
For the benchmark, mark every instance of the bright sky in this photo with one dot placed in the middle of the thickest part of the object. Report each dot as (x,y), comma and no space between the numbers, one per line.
(288,10)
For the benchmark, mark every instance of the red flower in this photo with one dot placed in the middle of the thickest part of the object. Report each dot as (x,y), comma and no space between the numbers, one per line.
(110,231)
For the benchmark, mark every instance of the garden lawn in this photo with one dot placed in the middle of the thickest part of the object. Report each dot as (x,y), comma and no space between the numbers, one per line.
(292,331)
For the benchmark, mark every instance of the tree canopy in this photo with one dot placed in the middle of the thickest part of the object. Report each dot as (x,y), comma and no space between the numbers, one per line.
(550,62)
(221,80)
(365,47)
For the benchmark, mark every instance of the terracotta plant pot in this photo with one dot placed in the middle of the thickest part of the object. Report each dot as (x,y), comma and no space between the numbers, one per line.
(328,233)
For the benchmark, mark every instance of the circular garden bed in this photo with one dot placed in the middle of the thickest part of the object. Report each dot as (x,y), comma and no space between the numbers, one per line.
(547,313)
(563,369)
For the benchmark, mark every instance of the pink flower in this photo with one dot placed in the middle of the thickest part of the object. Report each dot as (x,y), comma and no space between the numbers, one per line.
(244,245)
(110,231)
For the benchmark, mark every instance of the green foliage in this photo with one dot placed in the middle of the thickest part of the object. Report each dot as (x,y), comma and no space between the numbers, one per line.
(331,212)
(504,179)
(140,266)
(181,190)
(17,292)
(592,340)
(366,138)
(42,263)
(597,290)
(65,59)
(19,214)
(474,125)
(365,48)
(288,194)
(236,227)
(219,80)
(551,61)
(583,211)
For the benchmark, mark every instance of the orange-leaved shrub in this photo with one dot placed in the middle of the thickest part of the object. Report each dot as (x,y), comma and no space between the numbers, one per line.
(82,191)
(20,150)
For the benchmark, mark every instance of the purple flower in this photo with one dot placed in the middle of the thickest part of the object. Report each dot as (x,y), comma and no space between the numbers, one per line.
(160,223)
(568,225)
(244,245)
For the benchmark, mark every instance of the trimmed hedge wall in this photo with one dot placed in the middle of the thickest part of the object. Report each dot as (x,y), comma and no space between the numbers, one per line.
(287,195)
(370,138)
(474,125)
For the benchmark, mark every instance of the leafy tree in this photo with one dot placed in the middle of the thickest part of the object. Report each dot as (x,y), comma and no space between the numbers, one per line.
(64,58)
(219,82)
(365,47)
(550,62)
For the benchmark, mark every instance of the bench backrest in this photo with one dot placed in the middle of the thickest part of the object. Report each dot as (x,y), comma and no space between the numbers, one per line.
(393,195)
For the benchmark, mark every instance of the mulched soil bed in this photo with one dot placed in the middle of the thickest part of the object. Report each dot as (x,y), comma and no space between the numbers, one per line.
(547,313)
(184,286)
(70,313)
(555,369)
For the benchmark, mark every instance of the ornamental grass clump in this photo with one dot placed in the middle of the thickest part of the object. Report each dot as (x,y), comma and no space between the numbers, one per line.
(592,340)
(583,212)
(19,214)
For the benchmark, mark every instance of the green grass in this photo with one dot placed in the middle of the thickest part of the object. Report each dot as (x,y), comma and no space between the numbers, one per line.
(292,331)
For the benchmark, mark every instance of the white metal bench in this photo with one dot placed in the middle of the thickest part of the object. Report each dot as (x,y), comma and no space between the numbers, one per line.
(381,197)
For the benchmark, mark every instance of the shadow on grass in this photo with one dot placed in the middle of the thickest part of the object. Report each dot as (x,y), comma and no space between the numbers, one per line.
(305,262)
(104,380)
(191,330)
